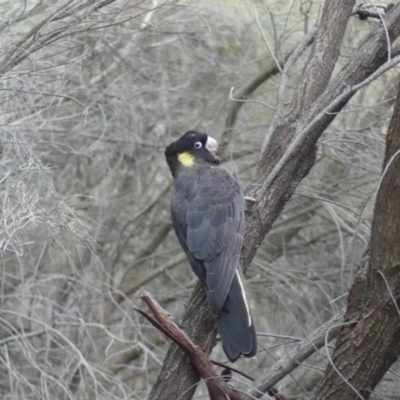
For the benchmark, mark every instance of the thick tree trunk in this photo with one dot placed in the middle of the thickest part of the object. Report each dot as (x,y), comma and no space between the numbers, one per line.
(368,347)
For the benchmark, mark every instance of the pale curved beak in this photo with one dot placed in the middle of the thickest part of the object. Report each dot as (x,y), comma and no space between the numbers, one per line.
(212,145)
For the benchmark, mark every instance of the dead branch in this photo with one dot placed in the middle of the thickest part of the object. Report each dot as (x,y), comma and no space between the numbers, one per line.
(363,10)
(217,387)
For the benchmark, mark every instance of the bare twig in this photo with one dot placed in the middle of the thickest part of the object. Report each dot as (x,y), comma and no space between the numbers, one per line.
(291,361)
(269,72)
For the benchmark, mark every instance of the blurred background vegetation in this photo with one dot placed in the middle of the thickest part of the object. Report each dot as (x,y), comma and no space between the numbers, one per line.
(90,94)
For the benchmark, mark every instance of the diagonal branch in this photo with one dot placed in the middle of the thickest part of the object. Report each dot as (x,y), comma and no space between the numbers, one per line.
(324,55)
(294,139)
(217,387)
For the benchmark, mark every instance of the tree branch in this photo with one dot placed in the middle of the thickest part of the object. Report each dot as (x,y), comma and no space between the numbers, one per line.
(217,387)
(294,140)
(324,55)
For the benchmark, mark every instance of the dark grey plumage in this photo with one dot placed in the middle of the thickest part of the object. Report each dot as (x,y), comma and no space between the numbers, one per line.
(207,208)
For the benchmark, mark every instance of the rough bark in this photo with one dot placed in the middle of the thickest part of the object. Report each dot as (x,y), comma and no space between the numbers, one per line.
(367,348)
(288,156)
(321,62)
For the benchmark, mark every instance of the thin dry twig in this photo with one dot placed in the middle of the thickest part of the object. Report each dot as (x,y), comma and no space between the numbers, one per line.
(264,76)
(291,361)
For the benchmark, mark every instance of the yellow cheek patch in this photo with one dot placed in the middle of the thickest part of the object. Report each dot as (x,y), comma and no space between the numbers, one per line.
(186,159)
